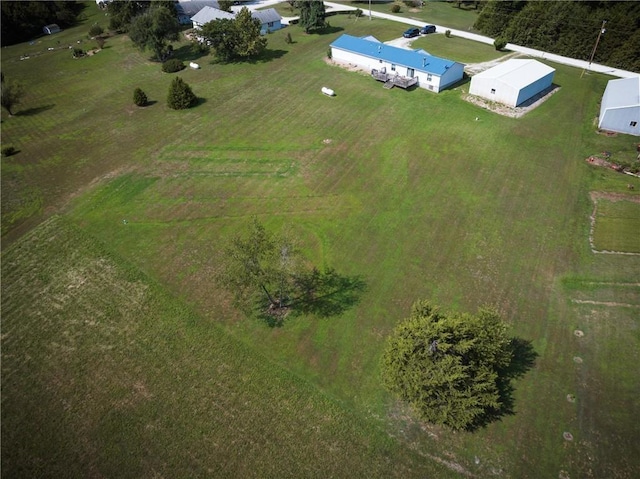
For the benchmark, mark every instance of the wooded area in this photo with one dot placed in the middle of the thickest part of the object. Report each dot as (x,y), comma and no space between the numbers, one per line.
(22,21)
(569,28)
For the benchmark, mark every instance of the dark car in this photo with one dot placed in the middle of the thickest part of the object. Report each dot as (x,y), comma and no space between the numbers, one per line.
(428,29)
(412,32)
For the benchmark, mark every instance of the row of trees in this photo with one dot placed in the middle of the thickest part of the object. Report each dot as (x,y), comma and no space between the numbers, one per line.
(21,21)
(568,28)
(180,96)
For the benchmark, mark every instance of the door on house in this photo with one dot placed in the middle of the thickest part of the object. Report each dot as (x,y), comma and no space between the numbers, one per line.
(410,72)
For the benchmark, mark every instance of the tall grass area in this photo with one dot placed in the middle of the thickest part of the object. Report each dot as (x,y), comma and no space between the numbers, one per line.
(421,195)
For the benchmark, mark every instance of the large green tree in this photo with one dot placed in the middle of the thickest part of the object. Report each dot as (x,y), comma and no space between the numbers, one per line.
(259,263)
(249,42)
(12,94)
(121,12)
(312,15)
(237,38)
(448,367)
(152,29)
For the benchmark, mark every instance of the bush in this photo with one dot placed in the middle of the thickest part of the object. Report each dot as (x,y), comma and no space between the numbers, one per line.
(139,97)
(395,8)
(358,13)
(199,48)
(8,151)
(287,39)
(95,30)
(173,65)
(447,34)
(180,95)
(100,42)
(78,52)
(500,43)
(329,54)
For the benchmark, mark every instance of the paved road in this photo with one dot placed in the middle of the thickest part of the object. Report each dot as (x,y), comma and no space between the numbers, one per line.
(489,41)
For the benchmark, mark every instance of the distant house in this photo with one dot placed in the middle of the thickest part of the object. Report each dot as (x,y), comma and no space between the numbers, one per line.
(620,106)
(512,82)
(51,29)
(397,66)
(189,8)
(270,20)
(209,14)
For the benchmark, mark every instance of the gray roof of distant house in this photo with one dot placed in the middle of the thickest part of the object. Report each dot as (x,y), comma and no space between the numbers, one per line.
(266,16)
(208,14)
(191,7)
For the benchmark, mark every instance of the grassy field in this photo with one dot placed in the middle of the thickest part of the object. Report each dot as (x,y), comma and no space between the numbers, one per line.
(434,11)
(617,224)
(404,189)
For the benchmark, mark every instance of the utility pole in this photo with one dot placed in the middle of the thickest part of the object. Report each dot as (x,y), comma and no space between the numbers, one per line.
(593,53)
(370,10)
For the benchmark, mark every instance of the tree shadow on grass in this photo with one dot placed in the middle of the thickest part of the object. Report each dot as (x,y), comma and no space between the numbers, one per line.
(322,294)
(328,293)
(35,110)
(523,359)
(267,56)
(186,53)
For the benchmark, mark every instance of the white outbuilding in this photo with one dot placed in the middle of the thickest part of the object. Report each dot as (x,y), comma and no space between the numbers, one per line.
(512,82)
(620,106)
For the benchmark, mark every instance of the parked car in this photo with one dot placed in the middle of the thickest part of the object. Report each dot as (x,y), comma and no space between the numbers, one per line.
(428,29)
(412,32)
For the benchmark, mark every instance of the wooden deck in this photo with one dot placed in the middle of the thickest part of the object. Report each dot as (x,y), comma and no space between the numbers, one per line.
(393,80)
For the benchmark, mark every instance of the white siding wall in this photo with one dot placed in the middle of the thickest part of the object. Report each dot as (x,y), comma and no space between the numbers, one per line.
(426,81)
(493,90)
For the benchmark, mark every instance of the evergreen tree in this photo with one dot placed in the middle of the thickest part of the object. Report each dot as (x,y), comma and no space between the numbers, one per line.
(447,366)
(139,97)
(249,42)
(180,95)
(312,15)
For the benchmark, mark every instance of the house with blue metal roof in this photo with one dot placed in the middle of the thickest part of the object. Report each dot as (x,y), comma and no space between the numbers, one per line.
(397,66)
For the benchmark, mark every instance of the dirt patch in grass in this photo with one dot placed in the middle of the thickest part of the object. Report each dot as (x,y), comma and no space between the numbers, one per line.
(513,112)
(596,196)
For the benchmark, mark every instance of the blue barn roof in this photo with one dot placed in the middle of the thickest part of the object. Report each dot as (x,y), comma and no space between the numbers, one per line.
(416,59)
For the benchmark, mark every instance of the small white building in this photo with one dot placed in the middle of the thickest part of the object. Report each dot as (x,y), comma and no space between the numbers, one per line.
(620,106)
(512,82)
(51,29)
(397,65)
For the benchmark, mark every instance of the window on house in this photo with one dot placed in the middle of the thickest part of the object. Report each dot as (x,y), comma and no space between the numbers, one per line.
(429,77)
(393,67)
(270,24)
(633,123)
(493,90)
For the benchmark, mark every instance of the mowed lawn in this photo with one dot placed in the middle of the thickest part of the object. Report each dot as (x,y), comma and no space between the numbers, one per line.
(617,226)
(404,189)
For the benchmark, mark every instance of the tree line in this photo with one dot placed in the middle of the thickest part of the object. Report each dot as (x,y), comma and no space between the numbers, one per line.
(569,28)
(21,21)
